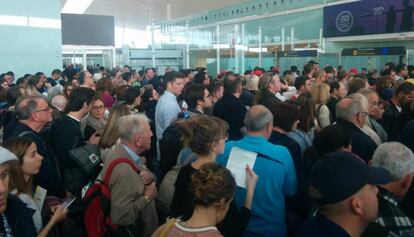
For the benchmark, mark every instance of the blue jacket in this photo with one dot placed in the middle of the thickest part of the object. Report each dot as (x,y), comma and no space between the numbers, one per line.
(277,179)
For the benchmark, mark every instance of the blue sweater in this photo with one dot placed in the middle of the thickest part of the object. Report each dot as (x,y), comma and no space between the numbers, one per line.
(277,179)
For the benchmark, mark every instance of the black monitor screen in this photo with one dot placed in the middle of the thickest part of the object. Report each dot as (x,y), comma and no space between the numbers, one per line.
(88,30)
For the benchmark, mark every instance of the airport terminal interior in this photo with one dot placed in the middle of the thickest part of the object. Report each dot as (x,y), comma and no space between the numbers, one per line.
(190,118)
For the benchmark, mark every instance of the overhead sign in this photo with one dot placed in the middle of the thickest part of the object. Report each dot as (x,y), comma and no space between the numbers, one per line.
(376,51)
(368,17)
(302,53)
(88,30)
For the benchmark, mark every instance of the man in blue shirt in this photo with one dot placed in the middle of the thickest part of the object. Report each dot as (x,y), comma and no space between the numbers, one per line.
(167,108)
(343,188)
(276,171)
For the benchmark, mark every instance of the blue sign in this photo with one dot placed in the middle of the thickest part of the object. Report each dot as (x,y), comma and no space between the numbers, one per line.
(368,17)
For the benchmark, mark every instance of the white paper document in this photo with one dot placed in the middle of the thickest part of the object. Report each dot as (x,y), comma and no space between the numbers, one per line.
(39,196)
(237,162)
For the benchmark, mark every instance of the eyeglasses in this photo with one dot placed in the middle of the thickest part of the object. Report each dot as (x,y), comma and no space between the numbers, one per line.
(42,110)
(98,107)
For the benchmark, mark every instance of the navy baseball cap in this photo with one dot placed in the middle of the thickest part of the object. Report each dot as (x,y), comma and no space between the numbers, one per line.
(339,175)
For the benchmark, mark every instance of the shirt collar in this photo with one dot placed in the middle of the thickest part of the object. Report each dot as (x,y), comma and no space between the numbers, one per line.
(169,94)
(389,196)
(255,139)
(132,154)
(70,116)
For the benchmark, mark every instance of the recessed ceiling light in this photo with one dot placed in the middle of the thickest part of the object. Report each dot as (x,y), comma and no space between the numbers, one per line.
(76,6)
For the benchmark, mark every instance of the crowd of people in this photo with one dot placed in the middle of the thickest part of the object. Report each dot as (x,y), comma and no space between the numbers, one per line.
(120,152)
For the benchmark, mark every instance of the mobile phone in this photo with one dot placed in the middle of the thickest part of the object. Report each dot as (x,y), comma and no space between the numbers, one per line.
(68,201)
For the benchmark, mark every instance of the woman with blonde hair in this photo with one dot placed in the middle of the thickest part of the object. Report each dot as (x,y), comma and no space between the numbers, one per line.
(320,96)
(110,134)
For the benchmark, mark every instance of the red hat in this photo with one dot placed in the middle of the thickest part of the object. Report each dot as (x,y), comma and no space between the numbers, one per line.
(353,71)
(258,72)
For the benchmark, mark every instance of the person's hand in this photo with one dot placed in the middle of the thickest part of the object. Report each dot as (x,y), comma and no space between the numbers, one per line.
(94,139)
(251,179)
(143,160)
(59,213)
(146,176)
(150,191)
(48,85)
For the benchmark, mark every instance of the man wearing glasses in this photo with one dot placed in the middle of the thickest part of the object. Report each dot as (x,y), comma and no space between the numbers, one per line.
(34,113)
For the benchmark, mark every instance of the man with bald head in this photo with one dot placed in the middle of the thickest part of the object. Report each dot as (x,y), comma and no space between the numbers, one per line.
(352,114)
(276,171)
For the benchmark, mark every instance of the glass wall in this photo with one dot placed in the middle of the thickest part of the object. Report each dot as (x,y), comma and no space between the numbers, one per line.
(247,35)
(239,38)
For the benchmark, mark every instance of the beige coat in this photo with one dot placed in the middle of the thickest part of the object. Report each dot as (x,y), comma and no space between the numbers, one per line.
(127,194)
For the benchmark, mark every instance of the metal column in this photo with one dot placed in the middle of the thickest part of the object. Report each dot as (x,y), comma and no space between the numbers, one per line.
(260,46)
(153,43)
(218,48)
(187,45)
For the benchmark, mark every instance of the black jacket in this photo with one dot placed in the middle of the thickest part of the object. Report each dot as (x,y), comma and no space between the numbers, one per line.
(66,135)
(20,218)
(230,109)
(267,99)
(391,121)
(362,144)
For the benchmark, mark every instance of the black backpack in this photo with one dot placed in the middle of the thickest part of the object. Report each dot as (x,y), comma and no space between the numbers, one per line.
(170,146)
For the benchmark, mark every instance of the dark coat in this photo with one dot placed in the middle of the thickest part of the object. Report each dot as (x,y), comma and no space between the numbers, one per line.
(391,121)
(20,218)
(267,99)
(67,135)
(362,144)
(230,109)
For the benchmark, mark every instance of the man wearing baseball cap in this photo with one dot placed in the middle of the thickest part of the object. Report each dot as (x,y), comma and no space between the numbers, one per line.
(344,190)
(15,218)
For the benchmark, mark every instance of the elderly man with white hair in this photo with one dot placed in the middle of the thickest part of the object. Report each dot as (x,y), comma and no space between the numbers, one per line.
(132,205)
(352,115)
(391,220)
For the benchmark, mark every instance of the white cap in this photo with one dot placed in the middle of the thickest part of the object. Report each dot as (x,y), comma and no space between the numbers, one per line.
(6,155)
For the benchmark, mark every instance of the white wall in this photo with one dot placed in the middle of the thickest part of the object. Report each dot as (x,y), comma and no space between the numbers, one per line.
(32,46)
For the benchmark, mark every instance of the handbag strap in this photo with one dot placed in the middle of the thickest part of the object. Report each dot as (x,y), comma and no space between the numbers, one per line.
(168,227)
(116,162)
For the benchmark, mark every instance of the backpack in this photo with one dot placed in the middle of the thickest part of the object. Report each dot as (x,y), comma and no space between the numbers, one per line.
(97,204)
(167,187)
(170,146)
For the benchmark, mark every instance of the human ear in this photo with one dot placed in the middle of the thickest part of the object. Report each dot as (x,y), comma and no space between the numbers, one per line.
(357,206)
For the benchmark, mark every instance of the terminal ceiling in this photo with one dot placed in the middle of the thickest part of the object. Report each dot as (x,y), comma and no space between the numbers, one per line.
(136,14)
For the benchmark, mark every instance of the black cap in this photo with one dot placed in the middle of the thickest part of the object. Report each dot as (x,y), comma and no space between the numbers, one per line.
(339,175)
